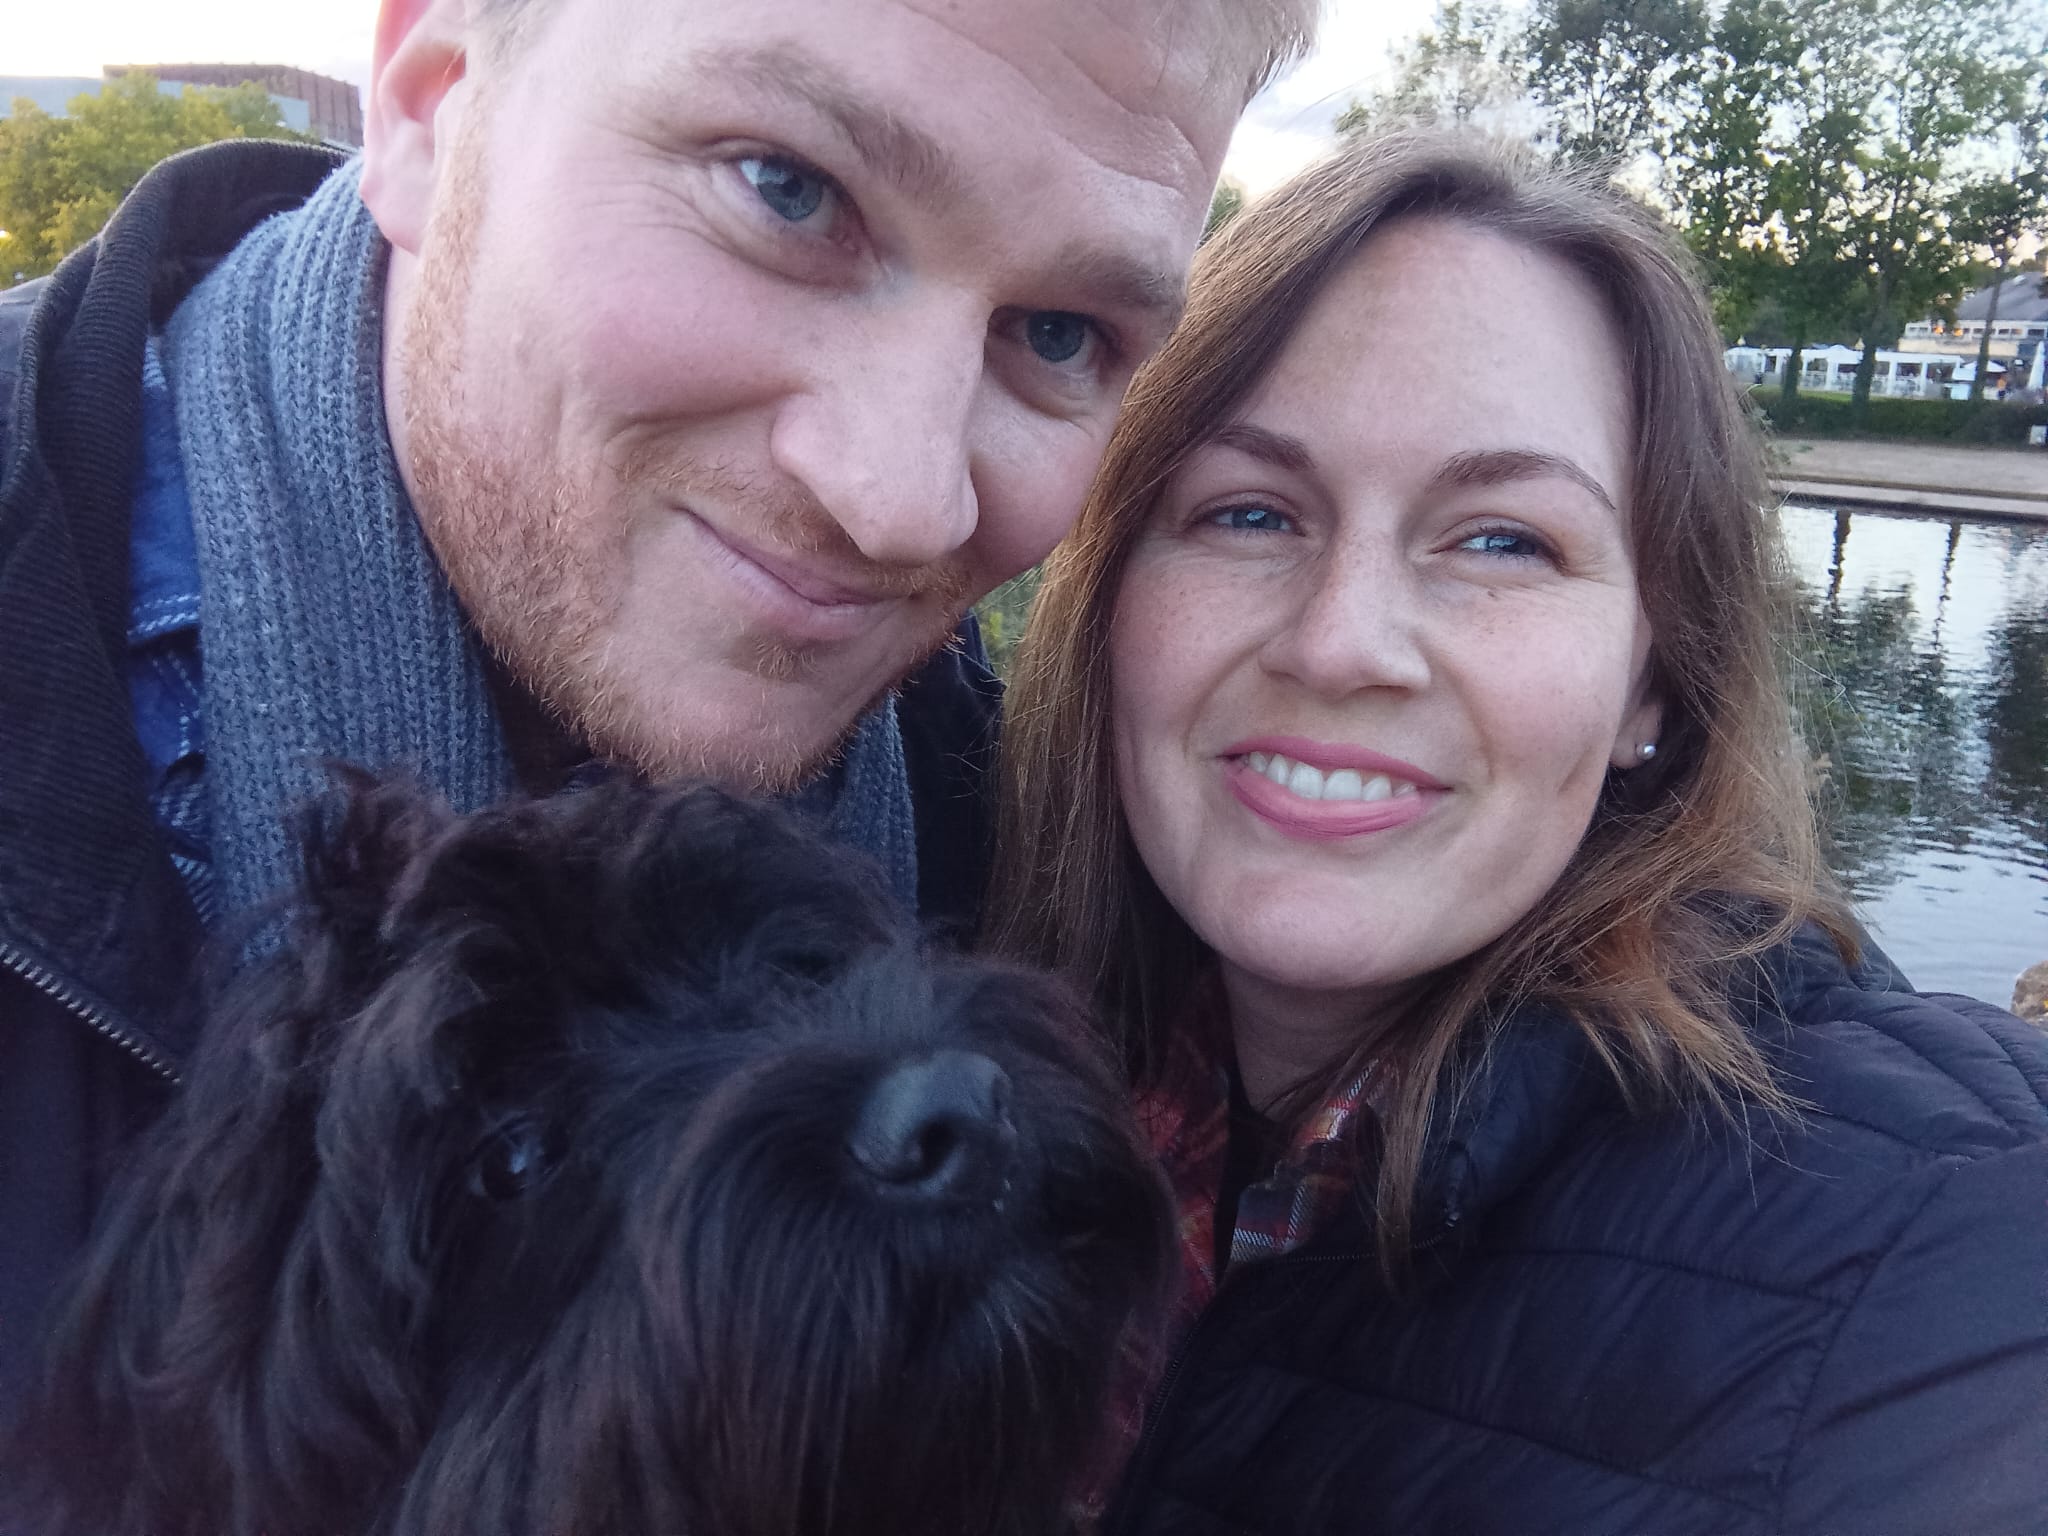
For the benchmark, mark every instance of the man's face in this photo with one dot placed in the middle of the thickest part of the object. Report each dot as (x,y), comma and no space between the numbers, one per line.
(746,342)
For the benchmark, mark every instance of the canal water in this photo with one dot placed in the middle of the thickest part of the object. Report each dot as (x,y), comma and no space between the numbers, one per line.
(1923,694)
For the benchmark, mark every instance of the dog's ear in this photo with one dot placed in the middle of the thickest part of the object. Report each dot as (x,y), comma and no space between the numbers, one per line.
(603,889)
(715,878)
(355,845)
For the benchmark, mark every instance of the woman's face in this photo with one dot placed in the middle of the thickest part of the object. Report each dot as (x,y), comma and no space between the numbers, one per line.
(1381,641)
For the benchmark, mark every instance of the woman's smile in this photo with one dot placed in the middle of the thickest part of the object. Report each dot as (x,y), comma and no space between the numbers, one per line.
(1322,790)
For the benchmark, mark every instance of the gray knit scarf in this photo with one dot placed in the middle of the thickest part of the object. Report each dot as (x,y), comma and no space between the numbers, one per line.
(329,631)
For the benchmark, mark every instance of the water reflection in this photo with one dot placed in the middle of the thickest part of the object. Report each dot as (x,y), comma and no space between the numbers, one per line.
(1923,695)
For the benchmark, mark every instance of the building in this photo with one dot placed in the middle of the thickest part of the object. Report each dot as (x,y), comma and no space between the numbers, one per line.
(330,109)
(1910,375)
(2019,329)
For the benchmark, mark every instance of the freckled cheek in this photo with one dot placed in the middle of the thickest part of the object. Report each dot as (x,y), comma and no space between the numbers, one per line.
(1173,654)
(1553,730)
(1549,713)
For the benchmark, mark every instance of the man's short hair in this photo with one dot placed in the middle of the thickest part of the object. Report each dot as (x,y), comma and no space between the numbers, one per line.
(1266,35)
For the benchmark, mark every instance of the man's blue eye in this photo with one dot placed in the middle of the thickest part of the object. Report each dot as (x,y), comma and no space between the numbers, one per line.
(792,191)
(1055,335)
(1253,519)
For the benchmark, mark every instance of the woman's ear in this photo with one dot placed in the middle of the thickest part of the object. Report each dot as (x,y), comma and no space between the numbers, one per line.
(1643,721)
(416,77)
(1635,744)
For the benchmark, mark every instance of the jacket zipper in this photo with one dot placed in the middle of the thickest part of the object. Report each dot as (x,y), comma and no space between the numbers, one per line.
(102,1022)
(1127,1507)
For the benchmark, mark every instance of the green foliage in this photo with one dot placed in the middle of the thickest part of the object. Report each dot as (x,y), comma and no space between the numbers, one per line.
(1945,421)
(61,177)
(1223,207)
(1608,70)
(1721,163)
(1466,64)
(1816,151)
(1950,77)
(1003,615)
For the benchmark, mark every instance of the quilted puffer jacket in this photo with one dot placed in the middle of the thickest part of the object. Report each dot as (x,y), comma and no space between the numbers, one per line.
(1629,1325)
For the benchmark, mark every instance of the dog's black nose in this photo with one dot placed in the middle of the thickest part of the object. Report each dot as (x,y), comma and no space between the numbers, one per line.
(939,1129)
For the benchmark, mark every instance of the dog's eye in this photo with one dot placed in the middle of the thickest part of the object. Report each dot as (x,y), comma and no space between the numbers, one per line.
(513,1157)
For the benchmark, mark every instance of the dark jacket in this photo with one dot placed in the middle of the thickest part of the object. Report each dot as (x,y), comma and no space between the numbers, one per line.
(1628,1326)
(97,936)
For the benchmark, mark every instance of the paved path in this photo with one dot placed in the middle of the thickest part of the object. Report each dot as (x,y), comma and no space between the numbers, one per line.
(1922,477)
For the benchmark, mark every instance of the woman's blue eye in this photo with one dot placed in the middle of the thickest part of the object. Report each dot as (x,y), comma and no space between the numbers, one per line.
(1502,543)
(1253,519)
(1055,335)
(791,190)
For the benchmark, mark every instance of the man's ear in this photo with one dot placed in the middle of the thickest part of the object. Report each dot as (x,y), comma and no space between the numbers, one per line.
(418,73)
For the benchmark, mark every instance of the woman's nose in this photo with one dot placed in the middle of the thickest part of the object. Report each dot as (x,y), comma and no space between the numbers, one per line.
(1358,622)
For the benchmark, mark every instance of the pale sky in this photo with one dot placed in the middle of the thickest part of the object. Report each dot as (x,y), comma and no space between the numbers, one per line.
(1285,128)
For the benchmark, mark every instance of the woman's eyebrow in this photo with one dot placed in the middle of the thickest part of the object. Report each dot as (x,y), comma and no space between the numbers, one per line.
(1275,448)
(1497,466)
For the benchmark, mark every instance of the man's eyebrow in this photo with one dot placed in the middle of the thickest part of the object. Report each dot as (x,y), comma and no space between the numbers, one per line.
(906,155)
(1499,465)
(1275,448)
(1125,282)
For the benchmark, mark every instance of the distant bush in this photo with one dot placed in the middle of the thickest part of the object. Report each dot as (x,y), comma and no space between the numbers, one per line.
(1004,613)
(1941,421)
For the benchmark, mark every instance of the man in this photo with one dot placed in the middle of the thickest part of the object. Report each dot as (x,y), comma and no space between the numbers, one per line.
(658,393)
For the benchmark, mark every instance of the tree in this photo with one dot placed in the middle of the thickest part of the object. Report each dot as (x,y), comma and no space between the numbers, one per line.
(1466,66)
(1952,76)
(1998,212)
(1819,129)
(1608,70)
(61,177)
(1719,160)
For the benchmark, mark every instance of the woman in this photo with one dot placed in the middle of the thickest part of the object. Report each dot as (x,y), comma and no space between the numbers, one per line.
(1397,752)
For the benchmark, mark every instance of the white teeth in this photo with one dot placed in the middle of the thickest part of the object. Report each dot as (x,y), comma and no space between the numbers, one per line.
(1311,783)
(1306,781)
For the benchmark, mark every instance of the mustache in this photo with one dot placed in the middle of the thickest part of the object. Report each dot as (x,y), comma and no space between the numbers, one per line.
(788,519)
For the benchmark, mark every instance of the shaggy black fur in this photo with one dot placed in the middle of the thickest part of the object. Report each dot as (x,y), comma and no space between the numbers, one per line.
(609,1164)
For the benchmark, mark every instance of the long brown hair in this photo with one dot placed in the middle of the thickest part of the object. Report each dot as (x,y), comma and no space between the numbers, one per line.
(1699,859)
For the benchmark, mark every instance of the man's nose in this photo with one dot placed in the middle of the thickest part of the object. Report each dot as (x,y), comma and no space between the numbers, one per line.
(1356,620)
(881,433)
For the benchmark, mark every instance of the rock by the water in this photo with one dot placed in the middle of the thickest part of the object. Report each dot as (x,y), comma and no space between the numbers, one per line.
(2030,994)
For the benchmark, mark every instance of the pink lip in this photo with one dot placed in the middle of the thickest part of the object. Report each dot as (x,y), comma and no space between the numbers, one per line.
(1321,820)
(1330,756)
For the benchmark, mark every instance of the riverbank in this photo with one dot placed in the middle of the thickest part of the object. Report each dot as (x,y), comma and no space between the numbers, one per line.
(1914,477)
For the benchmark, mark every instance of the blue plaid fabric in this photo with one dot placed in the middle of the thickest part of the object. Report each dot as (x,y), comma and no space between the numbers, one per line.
(163,663)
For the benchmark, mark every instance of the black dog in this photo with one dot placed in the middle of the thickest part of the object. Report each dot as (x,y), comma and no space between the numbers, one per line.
(609,1164)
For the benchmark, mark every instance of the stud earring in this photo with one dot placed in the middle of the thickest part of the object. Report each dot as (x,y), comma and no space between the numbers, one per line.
(1647,750)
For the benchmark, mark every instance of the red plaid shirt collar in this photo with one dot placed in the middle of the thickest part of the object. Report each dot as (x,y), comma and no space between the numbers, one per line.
(1185,1114)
